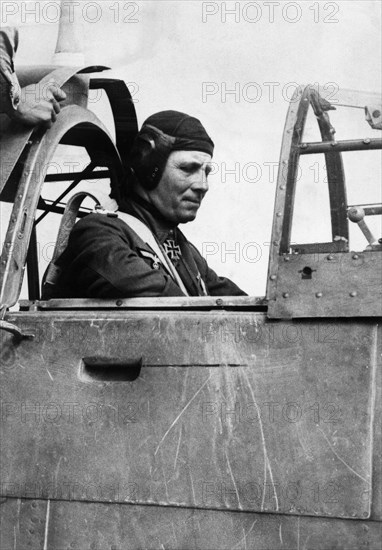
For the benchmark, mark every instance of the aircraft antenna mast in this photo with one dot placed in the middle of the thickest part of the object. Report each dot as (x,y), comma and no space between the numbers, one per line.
(69,48)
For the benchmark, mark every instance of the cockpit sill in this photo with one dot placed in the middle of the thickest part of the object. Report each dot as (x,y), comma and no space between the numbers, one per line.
(247,303)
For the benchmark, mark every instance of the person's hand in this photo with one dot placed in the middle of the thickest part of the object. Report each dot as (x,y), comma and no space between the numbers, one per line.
(39,104)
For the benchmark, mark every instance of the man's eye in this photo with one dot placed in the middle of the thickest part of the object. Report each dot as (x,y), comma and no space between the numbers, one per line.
(187,168)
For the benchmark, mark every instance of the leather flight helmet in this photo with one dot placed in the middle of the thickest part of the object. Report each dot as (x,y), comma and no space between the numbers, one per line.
(161,134)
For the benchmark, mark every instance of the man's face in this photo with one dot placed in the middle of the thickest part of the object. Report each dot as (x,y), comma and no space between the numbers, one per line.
(182,186)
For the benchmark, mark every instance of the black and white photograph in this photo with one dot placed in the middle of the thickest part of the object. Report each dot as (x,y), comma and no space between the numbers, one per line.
(190,275)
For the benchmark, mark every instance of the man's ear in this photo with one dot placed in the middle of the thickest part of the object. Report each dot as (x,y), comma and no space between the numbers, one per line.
(149,155)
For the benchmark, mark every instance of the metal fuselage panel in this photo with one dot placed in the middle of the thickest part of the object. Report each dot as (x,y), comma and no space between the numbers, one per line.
(96,526)
(230,411)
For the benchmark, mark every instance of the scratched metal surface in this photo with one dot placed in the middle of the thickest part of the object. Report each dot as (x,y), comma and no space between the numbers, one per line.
(61,525)
(230,412)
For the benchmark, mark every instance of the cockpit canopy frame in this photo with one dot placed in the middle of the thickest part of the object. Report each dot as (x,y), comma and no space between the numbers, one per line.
(323,279)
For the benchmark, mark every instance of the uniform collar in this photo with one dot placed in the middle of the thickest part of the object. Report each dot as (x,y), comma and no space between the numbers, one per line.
(140,208)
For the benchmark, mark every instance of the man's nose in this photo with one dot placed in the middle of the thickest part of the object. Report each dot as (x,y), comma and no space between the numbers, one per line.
(201,182)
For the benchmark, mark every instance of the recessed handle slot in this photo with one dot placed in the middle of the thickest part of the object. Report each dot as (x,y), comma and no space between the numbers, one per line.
(111,369)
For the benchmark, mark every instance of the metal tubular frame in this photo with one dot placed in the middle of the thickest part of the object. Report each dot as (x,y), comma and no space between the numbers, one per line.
(43,147)
(340,146)
(331,293)
(16,136)
(99,174)
(291,150)
(81,176)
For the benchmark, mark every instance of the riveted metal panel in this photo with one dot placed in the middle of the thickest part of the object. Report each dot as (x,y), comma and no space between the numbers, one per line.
(230,411)
(337,285)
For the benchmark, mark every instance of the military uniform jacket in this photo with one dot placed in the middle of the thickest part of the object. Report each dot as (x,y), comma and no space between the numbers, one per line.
(105,258)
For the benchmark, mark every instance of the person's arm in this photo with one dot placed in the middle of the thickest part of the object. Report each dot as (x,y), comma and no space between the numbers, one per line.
(32,105)
(216,286)
(102,261)
(221,286)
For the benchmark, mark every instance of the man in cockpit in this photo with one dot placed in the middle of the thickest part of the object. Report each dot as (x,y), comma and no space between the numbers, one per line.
(140,250)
